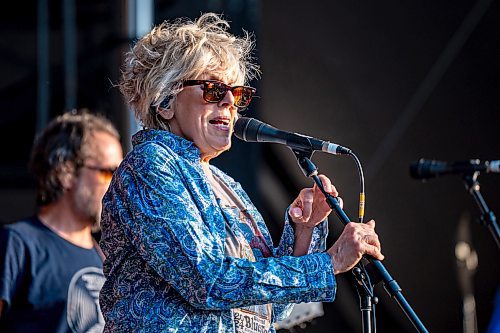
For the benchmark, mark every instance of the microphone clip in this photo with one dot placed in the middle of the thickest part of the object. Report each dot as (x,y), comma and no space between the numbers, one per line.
(304,160)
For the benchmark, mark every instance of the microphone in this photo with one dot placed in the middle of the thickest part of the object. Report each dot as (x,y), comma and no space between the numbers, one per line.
(253,130)
(424,169)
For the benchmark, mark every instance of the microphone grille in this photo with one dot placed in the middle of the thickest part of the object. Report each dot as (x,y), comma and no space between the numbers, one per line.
(240,127)
(424,169)
(246,129)
(415,169)
(421,169)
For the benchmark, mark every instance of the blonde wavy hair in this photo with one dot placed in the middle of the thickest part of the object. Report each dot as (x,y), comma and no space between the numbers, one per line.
(173,52)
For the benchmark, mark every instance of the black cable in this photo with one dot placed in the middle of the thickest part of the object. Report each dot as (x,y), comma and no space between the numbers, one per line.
(361,186)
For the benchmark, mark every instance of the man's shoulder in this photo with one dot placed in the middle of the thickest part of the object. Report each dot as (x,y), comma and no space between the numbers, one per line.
(25,228)
(31,222)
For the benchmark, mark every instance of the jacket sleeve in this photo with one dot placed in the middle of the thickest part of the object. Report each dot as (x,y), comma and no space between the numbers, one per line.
(182,239)
(318,245)
(287,241)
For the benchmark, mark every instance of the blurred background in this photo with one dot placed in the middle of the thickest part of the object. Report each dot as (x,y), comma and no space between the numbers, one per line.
(394,81)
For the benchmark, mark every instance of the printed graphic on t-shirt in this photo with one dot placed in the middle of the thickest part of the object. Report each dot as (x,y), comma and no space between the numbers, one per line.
(256,318)
(248,226)
(252,319)
(83,312)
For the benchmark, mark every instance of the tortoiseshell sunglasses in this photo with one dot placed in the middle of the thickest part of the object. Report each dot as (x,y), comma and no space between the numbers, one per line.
(214,92)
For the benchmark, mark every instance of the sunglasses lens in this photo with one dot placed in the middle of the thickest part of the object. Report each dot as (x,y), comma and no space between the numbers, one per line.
(105,176)
(242,96)
(214,92)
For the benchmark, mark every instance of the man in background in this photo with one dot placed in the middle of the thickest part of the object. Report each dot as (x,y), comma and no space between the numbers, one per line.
(50,264)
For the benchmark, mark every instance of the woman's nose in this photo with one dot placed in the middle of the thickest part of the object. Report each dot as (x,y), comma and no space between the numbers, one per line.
(228,99)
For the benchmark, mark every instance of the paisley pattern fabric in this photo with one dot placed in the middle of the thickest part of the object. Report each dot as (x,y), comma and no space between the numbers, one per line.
(163,236)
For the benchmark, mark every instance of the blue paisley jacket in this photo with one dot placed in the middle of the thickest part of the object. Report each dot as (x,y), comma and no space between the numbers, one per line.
(163,237)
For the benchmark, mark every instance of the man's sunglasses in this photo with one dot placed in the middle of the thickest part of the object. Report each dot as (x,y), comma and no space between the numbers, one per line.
(214,92)
(105,174)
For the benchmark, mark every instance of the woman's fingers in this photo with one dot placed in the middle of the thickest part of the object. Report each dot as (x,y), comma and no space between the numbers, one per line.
(310,206)
(327,186)
(302,207)
(356,240)
(373,251)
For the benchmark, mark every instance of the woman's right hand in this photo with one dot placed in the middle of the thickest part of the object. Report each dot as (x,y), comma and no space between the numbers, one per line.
(356,240)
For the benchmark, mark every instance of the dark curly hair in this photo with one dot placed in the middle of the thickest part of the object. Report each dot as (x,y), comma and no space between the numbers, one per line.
(63,146)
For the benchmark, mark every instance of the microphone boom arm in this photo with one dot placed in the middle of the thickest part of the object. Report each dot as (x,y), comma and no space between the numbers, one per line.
(390,285)
(487,216)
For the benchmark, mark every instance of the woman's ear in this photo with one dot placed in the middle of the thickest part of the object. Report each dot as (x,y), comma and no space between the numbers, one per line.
(166,113)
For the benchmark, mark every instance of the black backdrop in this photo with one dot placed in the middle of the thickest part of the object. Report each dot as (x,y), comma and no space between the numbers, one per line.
(393,81)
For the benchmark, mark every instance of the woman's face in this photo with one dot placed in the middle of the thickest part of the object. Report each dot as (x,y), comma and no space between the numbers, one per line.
(208,125)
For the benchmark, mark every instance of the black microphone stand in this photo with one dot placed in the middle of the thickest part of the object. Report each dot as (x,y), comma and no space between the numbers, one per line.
(364,287)
(487,216)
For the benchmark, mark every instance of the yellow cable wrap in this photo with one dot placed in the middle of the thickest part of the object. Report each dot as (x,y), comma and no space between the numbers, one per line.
(361,205)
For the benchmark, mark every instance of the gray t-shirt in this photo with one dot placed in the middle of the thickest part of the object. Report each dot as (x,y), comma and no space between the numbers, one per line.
(252,319)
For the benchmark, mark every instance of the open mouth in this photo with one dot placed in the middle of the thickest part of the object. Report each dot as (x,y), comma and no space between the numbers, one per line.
(221,123)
